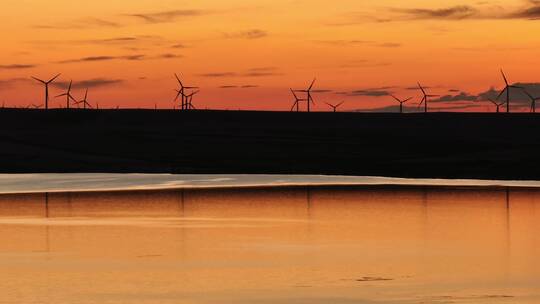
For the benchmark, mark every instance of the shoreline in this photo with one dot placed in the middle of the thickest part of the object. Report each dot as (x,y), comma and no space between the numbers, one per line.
(92,182)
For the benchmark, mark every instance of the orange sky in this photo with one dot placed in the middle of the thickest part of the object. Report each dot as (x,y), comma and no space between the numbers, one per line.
(127,51)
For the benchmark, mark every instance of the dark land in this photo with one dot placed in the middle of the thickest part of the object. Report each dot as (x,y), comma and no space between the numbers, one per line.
(438,145)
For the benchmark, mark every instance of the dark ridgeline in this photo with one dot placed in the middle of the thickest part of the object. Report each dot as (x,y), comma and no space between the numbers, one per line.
(69,97)
(401,102)
(335,106)
(46,84)
(451,145)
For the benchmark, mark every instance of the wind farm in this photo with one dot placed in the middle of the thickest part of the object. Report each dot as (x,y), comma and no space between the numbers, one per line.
(283,152)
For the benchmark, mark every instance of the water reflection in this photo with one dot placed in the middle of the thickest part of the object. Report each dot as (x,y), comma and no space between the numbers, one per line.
(290,245)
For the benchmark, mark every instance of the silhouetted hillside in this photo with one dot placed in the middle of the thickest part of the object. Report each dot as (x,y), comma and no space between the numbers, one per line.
(449,145)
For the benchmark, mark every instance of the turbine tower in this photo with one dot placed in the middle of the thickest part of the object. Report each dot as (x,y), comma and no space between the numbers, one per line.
(46,84)
(181,92)
(335,107)
(401,102)
(68,95)
(425,99)
(533,101)
(309,98)
(189,101)
(85,101)
(506,89)
(297,101)
(497,104)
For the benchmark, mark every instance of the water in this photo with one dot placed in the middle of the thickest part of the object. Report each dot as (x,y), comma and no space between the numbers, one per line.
(278,245)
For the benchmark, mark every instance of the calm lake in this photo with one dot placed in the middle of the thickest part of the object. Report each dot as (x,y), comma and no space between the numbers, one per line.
(274,245)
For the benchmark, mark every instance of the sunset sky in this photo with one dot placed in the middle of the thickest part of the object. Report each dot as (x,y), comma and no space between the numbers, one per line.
(247,54)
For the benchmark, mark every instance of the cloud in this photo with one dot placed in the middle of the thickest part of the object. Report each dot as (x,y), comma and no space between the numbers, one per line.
(249,73)
(179,46)
(462,96)
(516,95)
(5,83)
(246,86)
(251,34)
(16,66)
(347,43)
(260,74)
(169,56)
(218,75)
(167,16)
(89,83)
(371,92)
(482,11)
(83,23)
(449,13)
(104,58)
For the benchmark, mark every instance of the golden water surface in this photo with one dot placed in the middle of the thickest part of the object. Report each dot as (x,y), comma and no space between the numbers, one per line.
(295,245)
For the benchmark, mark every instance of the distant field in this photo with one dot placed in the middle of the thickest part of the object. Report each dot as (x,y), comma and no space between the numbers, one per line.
(449,145)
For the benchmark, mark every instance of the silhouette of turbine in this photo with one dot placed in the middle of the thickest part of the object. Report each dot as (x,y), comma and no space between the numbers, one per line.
(68,95)
(497,104)
(309,98)
(297,101)
(507,90)
(46,83)
(181,92)
(425,99)
(85,101)
(533,101)
(334,107)
(401,102)
(189,101)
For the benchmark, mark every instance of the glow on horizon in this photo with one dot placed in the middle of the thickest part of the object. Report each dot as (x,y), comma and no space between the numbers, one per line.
(130,49)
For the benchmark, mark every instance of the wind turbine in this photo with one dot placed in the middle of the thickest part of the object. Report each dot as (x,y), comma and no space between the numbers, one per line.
(533,101)
(425,99)
(335,107)
(296,102)
(309,98)
(507,89)
(181,92)
(85,101)
(189,101)
(68,95)
(401,102)
(46,83)
(497,104)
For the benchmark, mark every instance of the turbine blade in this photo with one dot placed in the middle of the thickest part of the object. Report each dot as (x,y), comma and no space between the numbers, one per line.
(421,88)
(178,78)
(39,80)
(504,77)
(407,99)
(312,83)
(397,99)
(52,79)
(502,92)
